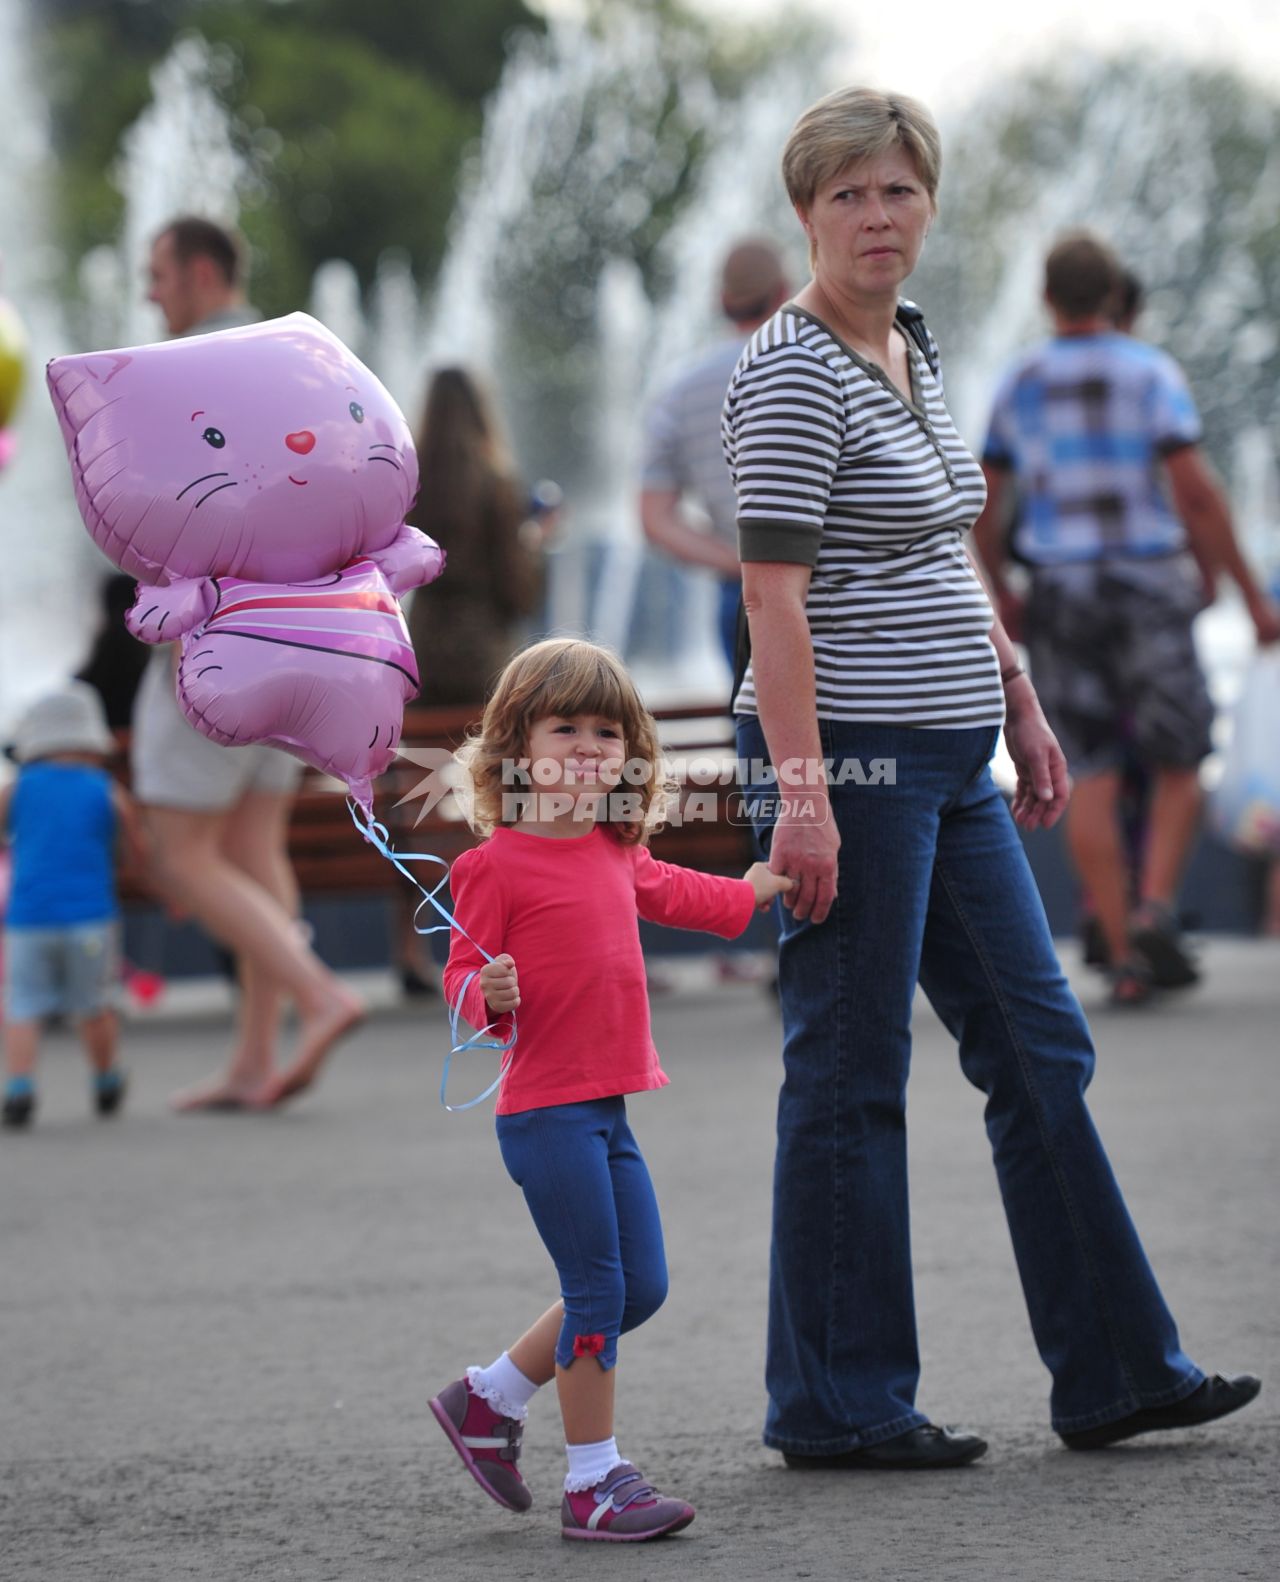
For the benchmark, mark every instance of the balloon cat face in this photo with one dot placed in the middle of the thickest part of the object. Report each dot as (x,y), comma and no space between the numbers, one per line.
(269,452)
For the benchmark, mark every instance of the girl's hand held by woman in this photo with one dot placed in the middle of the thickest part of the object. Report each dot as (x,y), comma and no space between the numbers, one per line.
(805,848)
(767,884)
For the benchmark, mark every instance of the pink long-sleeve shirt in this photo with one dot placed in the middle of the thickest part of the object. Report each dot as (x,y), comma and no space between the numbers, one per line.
(566,912)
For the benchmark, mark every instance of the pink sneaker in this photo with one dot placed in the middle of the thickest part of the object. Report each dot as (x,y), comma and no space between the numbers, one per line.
(488,1443)
(622,1508)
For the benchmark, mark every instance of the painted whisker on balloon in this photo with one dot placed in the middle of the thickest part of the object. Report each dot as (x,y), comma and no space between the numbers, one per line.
(204,479)
(232,485)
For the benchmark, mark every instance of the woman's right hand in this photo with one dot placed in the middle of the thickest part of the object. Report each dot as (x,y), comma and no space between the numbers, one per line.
(805,838)
(806,850)
(499,985)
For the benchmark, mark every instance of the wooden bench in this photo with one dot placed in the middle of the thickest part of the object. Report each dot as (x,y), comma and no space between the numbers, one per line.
(330,857)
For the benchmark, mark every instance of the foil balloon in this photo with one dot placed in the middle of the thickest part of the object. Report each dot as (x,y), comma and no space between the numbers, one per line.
(256,481)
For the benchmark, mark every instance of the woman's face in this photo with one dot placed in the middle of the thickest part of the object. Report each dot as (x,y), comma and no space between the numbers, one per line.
(868,223)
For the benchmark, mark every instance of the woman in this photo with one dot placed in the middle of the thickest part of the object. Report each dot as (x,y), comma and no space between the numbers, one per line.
(466,628)
(874,646)
(217,820)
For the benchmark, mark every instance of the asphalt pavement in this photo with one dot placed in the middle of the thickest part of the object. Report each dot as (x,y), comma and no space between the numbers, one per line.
(220,1333)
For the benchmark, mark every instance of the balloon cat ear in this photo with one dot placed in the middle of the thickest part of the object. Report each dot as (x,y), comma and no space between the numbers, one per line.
(99,368)
(82,386)
(103,369)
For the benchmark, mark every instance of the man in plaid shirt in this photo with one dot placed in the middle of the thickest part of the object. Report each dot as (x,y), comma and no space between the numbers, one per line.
(1100,437)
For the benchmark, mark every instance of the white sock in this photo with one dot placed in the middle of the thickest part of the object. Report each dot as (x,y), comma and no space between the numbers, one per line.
(589,1463)
(504,1387)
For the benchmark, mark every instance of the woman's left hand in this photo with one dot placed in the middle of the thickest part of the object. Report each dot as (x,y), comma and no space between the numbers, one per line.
(1040,797)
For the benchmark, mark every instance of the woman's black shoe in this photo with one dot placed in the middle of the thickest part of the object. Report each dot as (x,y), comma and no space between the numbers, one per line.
(919,1449)
(1215,1398)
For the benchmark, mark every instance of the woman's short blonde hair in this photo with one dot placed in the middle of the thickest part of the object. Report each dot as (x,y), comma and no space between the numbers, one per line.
(563,676)
(853,124)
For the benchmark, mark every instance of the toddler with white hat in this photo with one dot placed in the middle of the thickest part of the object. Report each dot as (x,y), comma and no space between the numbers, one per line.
(62,815)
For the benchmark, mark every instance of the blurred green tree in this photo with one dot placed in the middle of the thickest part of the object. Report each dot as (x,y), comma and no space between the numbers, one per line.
(373,103)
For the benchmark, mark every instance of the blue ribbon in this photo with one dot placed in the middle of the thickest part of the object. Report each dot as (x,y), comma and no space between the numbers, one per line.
(377,836)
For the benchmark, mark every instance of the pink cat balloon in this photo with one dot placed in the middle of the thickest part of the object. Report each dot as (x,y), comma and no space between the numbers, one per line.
(257,480)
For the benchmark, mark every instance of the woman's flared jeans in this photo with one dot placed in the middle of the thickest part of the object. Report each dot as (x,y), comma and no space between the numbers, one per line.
(934,888)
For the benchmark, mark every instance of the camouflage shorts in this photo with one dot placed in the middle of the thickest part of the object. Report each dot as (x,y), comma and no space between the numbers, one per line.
(1114,664)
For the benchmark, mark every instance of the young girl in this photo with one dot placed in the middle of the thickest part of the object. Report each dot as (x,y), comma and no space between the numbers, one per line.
(565,774)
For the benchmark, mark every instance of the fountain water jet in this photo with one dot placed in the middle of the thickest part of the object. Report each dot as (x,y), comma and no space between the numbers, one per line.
(46,590)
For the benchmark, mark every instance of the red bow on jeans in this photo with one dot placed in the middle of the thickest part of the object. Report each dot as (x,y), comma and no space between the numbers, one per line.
(588,1345)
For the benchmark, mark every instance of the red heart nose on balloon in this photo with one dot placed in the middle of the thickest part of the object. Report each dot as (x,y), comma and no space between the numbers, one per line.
(303,441)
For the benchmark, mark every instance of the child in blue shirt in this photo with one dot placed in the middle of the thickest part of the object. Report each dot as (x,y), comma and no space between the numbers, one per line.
(62,816)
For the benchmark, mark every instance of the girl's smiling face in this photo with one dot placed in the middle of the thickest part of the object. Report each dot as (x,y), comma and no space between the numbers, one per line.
(583,752)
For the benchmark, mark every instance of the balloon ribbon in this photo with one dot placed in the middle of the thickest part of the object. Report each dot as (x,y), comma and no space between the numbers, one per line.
(377,836)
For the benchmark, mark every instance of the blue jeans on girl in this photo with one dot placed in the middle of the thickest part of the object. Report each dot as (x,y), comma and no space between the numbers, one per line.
(591,1198)
(934,887)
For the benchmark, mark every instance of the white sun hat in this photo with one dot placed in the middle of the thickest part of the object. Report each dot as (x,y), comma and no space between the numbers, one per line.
(70,720)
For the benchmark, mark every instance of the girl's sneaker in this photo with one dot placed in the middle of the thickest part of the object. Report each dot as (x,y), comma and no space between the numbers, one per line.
(488,1443)
(622,1508)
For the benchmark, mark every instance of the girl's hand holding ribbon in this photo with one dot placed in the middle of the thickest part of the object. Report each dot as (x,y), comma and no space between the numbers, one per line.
(500,986)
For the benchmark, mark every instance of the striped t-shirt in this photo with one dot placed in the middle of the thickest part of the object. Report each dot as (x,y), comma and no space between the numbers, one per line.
(835,470)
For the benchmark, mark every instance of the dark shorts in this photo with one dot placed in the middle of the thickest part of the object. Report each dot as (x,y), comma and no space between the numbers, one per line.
(1115,666)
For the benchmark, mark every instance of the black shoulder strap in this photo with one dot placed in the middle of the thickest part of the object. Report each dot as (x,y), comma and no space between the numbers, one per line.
(912,321)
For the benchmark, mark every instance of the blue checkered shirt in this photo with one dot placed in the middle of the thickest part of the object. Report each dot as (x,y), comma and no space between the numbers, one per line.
(1084,422)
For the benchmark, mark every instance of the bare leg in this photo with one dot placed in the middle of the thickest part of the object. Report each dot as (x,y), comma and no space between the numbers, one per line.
(21,1046)
(254,839)
(535,1352)
(245,916)
(257,842)
(586,1401)
(99,1034)
(1175,817)
(585,1388)
(1093,836)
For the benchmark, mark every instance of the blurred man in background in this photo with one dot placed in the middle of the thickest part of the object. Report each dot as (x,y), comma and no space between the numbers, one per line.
(1100,436)
(196,278)
(683,453)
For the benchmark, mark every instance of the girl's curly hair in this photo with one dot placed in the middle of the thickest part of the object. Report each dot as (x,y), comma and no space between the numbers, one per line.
(564,676)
